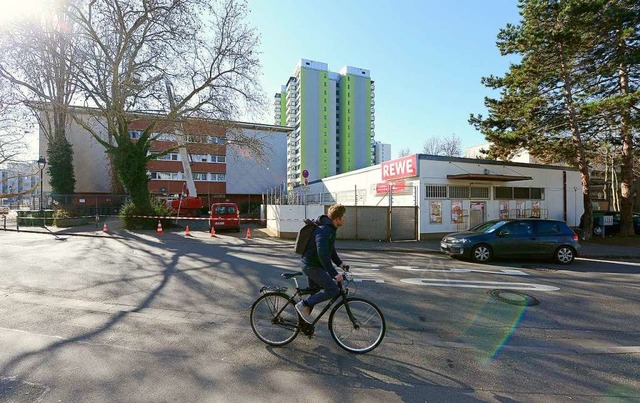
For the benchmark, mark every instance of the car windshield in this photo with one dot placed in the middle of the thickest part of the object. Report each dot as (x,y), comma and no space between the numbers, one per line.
(225,210)
(488,227)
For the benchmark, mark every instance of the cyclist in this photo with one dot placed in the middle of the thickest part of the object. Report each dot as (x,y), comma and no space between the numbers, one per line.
(318,258)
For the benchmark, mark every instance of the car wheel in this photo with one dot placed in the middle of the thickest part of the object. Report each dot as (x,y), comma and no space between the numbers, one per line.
(597,230)
(481,253)
(564,255)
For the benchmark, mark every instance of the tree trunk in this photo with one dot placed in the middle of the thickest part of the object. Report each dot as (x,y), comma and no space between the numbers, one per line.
(581,161)
(626,168)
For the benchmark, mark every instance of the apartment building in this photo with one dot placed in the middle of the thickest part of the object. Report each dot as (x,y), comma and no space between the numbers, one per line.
(331,115)
(221,169)
(17,181)
(382,152)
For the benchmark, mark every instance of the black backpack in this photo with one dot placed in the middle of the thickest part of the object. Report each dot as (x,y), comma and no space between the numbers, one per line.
(304,236)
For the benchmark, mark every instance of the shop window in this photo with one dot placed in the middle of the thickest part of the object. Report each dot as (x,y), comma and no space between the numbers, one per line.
(477,192)
(459,192)
(436,192)
(503,192)
(521,193)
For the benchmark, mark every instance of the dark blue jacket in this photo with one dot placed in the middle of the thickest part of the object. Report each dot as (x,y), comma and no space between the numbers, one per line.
(321,251)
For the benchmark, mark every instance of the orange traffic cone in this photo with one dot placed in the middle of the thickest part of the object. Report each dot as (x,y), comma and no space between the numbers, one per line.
(159,230)
(104,228)
(213,232)
(186,232)
(248,233)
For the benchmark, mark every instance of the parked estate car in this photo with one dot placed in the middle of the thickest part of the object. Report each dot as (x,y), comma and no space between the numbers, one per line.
(527,237)
(224,216)
(611,229)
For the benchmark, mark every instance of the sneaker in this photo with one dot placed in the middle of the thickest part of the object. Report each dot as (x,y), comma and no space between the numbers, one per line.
(304,312)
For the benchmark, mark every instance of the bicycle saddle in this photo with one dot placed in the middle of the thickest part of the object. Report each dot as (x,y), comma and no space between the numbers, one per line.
(291,275)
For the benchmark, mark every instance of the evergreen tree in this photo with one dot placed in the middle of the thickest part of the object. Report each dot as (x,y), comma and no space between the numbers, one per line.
(542,96)
(613,62)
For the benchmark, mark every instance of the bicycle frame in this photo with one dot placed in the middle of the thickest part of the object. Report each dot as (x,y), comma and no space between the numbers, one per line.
(299,293)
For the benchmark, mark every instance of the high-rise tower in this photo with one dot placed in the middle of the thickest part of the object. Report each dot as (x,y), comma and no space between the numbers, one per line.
(332,116)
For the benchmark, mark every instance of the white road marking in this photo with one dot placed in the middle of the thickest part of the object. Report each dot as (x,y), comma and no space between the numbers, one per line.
(609,261)
(478,284)
(506,272)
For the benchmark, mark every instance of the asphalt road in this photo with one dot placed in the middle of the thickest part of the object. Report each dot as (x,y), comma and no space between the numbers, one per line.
(148,318)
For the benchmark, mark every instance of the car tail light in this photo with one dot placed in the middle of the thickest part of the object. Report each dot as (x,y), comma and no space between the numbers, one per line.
(575,237)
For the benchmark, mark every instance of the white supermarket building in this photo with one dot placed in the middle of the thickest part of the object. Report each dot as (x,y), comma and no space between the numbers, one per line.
(448,194)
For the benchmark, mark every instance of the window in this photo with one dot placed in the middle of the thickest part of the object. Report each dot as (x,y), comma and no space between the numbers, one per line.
(436,192)
(200,157)
(518,228)
(537,193)
(521,193)
(502,192)
(167,157)
(510,193)
(479,192)
(459,192)
(548,228)
(166,175)
(199,176)
(135,134)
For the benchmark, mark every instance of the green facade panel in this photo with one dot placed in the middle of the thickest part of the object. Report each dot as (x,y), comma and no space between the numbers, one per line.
(283,109)
(323,125)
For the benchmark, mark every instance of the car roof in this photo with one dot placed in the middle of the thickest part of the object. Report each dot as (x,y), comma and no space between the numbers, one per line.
(524,219)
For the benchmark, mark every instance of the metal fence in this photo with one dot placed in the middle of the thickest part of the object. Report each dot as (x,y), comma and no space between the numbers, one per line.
(359,196)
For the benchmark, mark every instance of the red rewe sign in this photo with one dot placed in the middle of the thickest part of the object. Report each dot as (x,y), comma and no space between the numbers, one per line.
(404,167)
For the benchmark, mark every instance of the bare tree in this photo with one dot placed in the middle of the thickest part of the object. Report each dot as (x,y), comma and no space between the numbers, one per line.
(404,152)
(36,61)
(449,147)
(129,49)
(432,146)
(14,124)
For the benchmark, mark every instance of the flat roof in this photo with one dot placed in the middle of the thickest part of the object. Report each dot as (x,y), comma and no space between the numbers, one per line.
(493,162)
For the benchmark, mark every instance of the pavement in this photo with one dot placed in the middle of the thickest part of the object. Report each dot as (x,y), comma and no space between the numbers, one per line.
(262,236)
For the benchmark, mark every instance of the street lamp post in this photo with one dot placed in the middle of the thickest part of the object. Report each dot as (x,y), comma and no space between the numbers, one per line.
(42,162)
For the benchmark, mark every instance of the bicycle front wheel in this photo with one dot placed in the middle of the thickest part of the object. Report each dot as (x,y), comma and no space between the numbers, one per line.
(274,319)
(360,332)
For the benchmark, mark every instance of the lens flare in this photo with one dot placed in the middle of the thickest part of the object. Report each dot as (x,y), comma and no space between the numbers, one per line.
(492,327)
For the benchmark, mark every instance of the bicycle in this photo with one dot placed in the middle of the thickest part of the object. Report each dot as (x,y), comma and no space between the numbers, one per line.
(355,324)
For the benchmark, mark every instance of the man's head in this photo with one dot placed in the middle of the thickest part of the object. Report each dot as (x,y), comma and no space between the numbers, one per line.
(336,214)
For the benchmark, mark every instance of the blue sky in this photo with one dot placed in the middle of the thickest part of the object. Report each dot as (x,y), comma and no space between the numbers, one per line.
(426,57)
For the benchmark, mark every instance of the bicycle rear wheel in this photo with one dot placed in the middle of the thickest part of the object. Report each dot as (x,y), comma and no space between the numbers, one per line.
(362,334)
(274,319)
